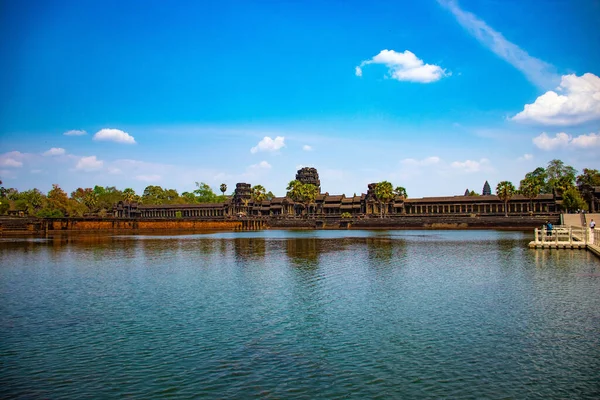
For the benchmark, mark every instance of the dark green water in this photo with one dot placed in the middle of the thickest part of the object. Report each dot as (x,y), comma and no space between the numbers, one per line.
(280,314)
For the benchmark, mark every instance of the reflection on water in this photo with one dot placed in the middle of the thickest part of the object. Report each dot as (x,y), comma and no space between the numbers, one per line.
(283,314)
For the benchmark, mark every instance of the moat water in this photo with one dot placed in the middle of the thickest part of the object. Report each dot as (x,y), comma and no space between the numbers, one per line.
(309,314)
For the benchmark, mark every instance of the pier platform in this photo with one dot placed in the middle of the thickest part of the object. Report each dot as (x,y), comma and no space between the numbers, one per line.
(567,237)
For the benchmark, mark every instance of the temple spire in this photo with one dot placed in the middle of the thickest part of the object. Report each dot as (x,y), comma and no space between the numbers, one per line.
(486,189)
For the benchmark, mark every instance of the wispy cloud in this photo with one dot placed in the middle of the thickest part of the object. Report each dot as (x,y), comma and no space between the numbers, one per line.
(12,159)
(55,151)
(90,163)
(75,132)
(536,71)
(148,178)
(525,157)
(469,166)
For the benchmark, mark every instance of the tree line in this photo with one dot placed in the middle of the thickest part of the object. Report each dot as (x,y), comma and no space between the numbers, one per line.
(577,191)
(100,200)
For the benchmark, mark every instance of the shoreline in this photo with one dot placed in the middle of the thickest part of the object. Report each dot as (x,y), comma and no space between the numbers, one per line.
(41,227)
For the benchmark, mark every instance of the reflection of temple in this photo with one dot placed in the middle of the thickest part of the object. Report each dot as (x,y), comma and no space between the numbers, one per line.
(241,205)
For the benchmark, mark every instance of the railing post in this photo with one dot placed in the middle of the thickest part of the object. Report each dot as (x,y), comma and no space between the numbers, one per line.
(543,233)
(535,233)
(570,236)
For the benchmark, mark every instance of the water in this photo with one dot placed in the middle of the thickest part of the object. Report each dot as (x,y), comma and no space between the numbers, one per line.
(282,314)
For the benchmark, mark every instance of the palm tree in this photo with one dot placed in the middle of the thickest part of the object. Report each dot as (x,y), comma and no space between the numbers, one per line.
(384,192)
(309,194)
(223,188)
(129,195)
(401,191)
(259,193)
(505,190)
(530,189)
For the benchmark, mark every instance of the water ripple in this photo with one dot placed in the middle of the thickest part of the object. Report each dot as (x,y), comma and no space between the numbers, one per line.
(298,315)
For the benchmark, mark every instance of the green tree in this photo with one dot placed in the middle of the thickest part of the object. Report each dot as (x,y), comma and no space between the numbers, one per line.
(560,176)
(107,197)
(86,197)
(270,196)
(129,195)
(384,193)
(153,195)
(505,191)
(305,194)
(530,188)
(400,191)
(572,200)
(188,198)
(586,183)
(204,193)
(259,193)
(538,177)
(57,203)
(294,190)
(223,188)
(171,196)
(309,194)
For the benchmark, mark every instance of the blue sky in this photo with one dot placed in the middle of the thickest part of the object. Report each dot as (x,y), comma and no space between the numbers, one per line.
(435,96)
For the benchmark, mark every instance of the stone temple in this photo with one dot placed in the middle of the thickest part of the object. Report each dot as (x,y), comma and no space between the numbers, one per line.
(325,205)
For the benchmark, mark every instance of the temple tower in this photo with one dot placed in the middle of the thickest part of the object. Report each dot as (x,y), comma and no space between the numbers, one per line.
(243,191)
(309,175)
(486,189)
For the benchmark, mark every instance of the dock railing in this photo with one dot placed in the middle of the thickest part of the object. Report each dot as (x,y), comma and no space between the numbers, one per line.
(562,235)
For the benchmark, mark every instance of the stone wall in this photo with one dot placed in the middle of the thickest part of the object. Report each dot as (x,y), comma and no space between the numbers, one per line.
(142,225)
(418,222)
(34,225)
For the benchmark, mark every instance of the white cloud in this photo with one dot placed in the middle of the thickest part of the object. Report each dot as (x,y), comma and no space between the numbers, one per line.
(268,144)
(307,148)
(55,151)
(12,159)
(114,170)
(90,163)
(526,157)
(469,166)
(148,178)
(75,132)
(536,71)
(578,103)
(114,135)
(10,162)
(586,141)
(261,165)
(545,142)
(421,163)
(405,67)
(563,140)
